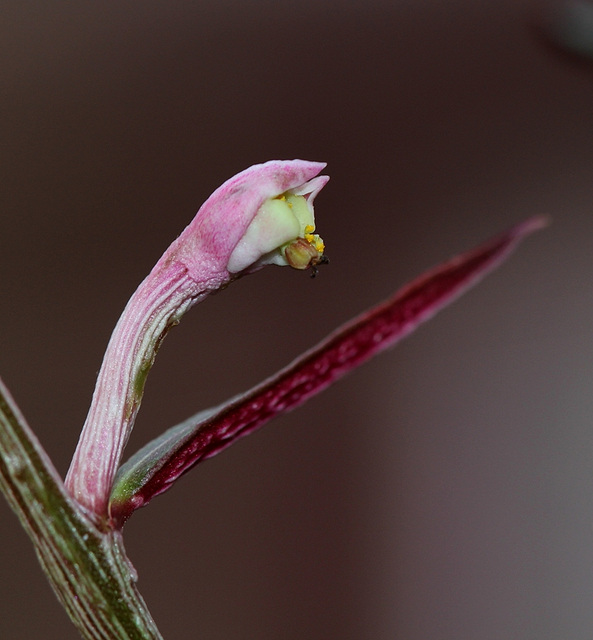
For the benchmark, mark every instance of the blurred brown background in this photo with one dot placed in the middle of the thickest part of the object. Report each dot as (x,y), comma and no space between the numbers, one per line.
(445,490)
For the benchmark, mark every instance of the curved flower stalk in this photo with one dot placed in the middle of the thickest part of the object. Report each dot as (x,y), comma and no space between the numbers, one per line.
(263,215)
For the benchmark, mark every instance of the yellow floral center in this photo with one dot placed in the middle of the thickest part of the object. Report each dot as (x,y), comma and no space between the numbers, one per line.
(305,251)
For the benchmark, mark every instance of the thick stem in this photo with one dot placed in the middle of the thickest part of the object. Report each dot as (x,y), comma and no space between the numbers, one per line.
(87,567)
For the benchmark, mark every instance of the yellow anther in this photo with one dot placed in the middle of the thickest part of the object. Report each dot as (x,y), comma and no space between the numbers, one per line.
(309,229)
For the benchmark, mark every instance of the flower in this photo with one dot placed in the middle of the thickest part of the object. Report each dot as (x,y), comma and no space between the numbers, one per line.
(245,222)
(264,215)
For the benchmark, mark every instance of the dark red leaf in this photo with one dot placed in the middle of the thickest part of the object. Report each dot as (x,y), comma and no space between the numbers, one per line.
(157,466)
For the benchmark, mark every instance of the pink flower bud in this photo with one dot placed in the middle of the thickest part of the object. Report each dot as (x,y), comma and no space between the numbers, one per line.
(253,219)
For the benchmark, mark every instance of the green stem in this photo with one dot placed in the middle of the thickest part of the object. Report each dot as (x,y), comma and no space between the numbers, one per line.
(87,567)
